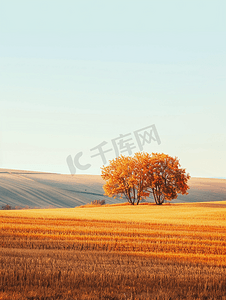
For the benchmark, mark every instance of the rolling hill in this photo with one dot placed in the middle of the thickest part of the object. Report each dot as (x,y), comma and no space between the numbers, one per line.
(42,190)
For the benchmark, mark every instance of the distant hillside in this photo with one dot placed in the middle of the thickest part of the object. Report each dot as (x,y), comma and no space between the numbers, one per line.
(37,189)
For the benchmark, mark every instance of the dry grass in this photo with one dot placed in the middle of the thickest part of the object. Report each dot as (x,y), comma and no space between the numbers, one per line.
(204,214)
(115,252)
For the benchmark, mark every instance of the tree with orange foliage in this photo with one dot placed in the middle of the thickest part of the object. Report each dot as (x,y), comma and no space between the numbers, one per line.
(121,178)
(167,179)
(144,174)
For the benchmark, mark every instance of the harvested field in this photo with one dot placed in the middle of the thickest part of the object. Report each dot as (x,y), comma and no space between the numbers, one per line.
(46,254)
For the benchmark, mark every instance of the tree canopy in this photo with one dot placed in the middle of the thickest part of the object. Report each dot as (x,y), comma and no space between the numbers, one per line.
(143,174)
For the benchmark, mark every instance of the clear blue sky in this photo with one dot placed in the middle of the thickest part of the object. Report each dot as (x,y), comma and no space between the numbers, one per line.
(76,73)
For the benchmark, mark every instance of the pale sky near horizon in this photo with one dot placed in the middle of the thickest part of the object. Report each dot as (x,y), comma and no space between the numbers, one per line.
(74,74)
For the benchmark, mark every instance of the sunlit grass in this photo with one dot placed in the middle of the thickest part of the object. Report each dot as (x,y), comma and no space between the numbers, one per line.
(99,252)
(208,214)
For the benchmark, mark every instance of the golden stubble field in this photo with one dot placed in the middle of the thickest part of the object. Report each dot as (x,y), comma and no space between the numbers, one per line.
(173,251)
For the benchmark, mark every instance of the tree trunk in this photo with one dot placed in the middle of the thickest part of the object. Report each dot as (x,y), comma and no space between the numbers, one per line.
(159,203)
(159,199)
(138,199)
